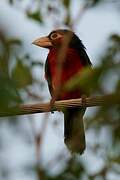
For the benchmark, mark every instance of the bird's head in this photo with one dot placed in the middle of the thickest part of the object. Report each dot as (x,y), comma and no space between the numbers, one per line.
(57,38)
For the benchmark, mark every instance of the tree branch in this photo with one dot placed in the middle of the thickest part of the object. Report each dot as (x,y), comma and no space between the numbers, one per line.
(106,100)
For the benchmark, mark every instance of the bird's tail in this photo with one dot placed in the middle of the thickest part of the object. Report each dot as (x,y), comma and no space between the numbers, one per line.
(74,133)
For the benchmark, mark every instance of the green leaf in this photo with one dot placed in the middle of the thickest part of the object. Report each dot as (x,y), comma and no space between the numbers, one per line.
(87,80)
(11,1)
(67,20)
(66,3)
(9,95)
(13,41)
(95,2)
(21,74)
(35,16)
(92,3)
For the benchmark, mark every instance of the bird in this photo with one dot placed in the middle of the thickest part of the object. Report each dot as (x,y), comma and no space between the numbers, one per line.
(66,58)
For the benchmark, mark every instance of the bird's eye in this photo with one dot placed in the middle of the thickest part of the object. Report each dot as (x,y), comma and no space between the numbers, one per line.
(54,36)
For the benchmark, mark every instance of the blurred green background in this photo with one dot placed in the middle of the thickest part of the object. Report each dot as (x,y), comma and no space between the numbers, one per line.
(31,147)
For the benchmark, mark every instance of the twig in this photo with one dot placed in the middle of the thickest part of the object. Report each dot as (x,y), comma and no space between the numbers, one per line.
(106,100)
(33,95)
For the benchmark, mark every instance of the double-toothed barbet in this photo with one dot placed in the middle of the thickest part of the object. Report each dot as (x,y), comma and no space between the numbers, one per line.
(67,57)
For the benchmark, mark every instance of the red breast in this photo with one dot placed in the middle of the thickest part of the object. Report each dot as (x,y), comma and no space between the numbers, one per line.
(70,67)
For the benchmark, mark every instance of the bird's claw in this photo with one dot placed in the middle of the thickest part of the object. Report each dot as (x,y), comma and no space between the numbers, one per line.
(51,105)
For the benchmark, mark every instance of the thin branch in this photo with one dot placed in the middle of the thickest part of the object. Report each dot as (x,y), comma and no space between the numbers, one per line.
(33,95)
(106,100)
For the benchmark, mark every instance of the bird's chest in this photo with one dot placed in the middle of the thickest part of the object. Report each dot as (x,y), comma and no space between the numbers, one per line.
(66,68)
(60,73)
(52,63)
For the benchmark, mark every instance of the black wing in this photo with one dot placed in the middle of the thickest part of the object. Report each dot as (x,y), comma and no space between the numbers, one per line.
(84,58)
(77,44)
(48,76)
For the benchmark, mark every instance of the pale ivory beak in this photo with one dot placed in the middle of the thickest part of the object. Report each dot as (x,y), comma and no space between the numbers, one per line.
(43,42)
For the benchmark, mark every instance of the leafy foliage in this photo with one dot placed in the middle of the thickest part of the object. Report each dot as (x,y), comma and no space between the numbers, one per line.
(35,16)
(8,93)
(66,3)
(92,3)
(11,1)
(21,74)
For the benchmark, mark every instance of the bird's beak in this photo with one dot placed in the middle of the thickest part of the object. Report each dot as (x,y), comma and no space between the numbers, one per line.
(43,42)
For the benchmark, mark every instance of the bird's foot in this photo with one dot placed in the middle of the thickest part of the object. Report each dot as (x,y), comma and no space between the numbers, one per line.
(51,105)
